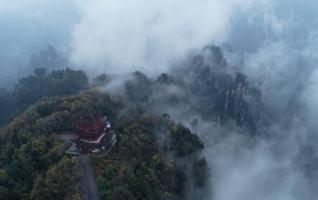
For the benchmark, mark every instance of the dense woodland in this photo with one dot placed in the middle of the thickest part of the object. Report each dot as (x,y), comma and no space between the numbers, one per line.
(143,159)
(151,161)
(40,84)
(154,158)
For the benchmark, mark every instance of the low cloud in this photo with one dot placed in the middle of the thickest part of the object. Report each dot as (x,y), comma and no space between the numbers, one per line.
(28,26)
(123,36)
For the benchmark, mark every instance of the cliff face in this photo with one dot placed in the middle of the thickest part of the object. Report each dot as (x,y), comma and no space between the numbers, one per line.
(204,86)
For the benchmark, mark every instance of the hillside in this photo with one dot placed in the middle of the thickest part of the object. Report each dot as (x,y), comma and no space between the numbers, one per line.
(145,163)
(158,100)
(153,158)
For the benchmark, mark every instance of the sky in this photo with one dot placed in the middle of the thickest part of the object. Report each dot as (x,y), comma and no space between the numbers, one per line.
(26,27)
(121,36)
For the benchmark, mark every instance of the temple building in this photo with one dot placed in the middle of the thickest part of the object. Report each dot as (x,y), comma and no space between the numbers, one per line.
(94,134)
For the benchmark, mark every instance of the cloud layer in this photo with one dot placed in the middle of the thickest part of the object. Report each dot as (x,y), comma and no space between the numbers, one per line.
(273,42)
(121,36)
(28,26)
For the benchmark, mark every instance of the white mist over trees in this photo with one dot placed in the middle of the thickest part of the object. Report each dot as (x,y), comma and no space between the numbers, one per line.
(274,43)
(148,35)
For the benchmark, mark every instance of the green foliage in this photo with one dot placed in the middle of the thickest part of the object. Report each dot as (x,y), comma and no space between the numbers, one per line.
(48,58)
(143,164)
(34,87)
(102,80)
(63,82)
(199,172)
(28,158)
(139,88)
(6,106)
(40,71)
(22,159)
(105,188)
(183,142)
(58,183)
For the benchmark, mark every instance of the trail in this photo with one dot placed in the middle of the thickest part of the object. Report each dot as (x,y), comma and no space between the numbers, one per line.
(88,181)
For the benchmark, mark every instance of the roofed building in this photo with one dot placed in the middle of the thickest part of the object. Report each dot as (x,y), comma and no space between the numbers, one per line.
(94,133)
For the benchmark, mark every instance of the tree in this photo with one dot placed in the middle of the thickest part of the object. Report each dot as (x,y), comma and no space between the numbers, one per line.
(48,58)
(58,183)
(40,71)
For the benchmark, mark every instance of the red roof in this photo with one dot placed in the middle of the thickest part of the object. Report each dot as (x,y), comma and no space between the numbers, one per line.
(89,124)
(91,128)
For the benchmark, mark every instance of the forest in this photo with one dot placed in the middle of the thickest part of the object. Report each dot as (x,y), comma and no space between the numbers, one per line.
(158,100)
(145,163)
(154,158)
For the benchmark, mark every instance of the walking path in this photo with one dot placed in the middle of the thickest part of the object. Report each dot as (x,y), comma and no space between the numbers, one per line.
(88,181)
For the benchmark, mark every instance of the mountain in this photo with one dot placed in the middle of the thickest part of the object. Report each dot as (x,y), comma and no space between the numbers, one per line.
(151,159)
(157,153)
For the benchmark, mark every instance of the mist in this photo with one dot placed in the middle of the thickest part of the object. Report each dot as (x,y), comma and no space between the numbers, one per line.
(123,36)
(274,43)
(27,27)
